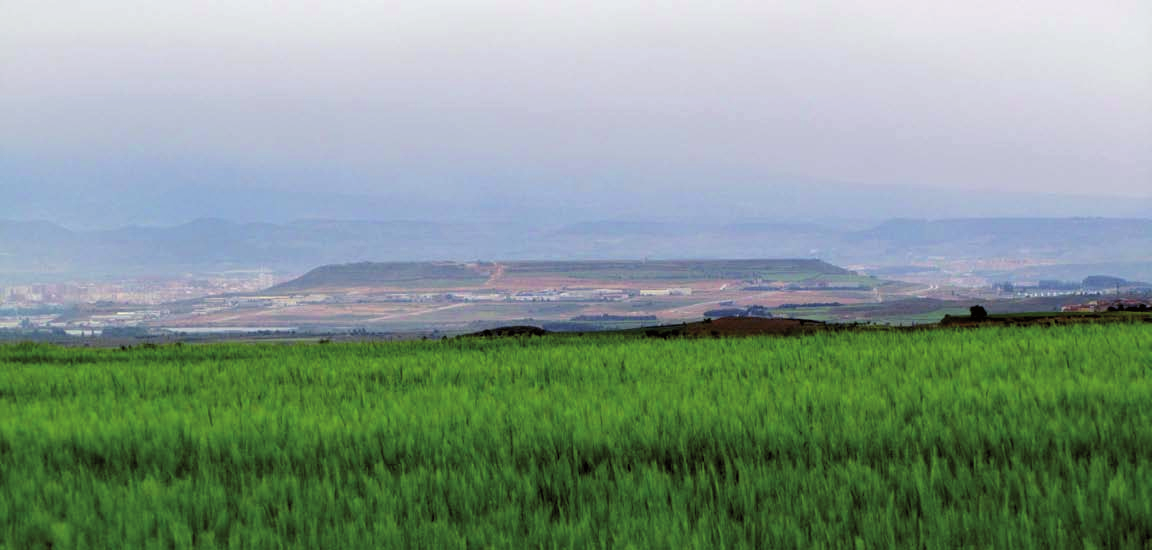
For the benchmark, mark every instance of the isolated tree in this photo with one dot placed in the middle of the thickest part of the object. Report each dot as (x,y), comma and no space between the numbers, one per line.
(978,313)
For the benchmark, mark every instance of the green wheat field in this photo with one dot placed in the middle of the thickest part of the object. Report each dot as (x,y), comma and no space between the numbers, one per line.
(1001,437)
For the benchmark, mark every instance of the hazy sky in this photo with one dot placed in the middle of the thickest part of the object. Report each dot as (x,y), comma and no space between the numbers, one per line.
(447,95)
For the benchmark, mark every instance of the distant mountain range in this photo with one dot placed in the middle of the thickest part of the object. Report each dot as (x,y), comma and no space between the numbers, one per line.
(1076,246)
(184,193)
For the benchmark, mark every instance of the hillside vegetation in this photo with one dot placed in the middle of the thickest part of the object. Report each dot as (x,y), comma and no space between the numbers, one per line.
(1028,437)
(389,274)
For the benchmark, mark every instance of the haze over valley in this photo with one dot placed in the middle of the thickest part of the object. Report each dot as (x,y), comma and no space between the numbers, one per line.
(412,278)
(167,164)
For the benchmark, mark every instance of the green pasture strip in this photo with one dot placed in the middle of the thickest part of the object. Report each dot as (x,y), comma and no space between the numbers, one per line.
(1031,437)
(837,278)
(672,270)
(929,317)
(1043,314)
(1130,315)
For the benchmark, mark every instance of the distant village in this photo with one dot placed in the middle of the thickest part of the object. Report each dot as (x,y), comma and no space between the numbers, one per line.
(1101,306)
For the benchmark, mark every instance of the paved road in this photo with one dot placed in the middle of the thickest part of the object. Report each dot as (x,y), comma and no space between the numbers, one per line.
(414,313)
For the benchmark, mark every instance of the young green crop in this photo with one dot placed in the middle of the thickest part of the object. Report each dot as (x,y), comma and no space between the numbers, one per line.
(1025,437)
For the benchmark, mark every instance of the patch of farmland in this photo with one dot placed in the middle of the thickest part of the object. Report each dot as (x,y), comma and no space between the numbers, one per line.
(991,437)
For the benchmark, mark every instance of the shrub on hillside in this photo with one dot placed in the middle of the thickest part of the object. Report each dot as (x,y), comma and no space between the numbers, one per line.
(978,313)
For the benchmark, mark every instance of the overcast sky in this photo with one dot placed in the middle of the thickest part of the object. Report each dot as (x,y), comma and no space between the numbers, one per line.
(445,95)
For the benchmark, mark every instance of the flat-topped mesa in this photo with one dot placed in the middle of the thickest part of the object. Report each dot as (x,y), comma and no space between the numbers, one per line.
(470,274)
(388,274)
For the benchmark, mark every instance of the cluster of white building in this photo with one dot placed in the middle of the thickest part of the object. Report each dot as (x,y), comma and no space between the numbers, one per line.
(667,292)
(216,304)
